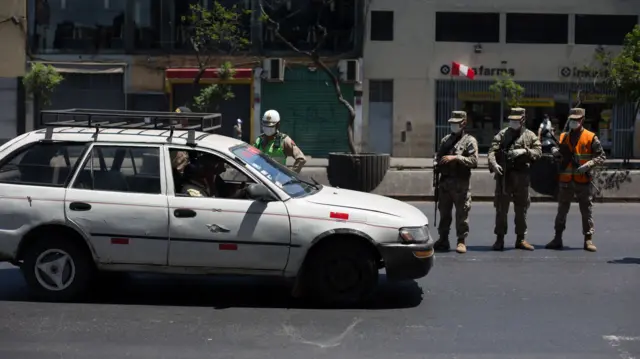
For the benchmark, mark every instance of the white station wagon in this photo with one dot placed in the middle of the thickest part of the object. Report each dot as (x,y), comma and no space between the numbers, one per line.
(97,192)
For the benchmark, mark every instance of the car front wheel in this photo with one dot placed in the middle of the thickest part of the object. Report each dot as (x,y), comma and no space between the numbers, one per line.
(57,270)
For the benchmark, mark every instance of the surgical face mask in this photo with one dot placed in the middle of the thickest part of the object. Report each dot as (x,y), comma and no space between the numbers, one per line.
(515,124)
(574,124)
(269,131)
(456,128)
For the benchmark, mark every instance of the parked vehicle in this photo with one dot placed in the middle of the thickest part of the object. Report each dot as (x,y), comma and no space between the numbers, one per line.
(91,194)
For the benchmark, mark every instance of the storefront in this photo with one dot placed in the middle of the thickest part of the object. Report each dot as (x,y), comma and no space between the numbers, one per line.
(612,122)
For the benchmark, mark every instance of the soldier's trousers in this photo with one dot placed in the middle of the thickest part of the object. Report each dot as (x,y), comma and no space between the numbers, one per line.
(454,192)
(584,195)
(516,191)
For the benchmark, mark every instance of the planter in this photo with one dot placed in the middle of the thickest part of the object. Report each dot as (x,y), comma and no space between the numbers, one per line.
(544,176)
(358,172)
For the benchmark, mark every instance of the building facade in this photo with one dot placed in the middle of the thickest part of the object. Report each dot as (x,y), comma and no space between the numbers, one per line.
(409,91)
(12,68)
(137,55)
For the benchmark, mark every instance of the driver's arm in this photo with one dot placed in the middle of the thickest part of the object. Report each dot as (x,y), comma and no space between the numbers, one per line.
(292,150)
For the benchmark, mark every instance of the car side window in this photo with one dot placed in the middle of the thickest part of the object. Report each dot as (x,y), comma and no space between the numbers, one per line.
(43,164)
(121,169)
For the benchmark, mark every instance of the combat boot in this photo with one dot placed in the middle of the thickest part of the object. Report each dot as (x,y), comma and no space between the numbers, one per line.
(521,243)
(499,243)
(556,242)
(588,244)
(442,244)
(461,247)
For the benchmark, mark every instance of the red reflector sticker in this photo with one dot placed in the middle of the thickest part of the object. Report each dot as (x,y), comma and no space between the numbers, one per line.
(228,247)
(119,240)
(339,215)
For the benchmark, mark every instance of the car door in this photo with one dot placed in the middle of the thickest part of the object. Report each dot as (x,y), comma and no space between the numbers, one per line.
(118,199)
(226,233)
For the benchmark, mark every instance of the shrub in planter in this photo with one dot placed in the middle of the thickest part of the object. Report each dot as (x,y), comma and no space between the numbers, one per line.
(41,81)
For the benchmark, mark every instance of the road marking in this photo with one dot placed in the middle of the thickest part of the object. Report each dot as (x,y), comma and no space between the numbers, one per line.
(614,342)
(330,343)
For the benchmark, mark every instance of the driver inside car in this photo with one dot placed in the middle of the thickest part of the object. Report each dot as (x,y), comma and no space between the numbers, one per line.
(202,179)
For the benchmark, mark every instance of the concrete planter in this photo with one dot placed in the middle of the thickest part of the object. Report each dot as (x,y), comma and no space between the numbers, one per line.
(358,172)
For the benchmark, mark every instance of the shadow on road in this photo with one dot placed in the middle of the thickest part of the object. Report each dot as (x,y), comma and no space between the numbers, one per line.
(217,292)
(626,260)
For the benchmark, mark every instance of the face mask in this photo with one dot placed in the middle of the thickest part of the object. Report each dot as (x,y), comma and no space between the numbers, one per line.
(269,131)
(574,124)
(514,124)
(455,128)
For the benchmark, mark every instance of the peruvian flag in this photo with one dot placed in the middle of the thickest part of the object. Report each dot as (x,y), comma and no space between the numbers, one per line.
(462,70)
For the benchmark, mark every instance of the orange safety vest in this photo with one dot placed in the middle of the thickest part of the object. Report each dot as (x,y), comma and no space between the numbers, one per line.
(582,153)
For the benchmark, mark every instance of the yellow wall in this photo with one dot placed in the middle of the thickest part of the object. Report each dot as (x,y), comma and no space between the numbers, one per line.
(13,38)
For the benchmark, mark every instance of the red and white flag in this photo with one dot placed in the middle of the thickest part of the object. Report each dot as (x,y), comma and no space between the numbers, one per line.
(462,70)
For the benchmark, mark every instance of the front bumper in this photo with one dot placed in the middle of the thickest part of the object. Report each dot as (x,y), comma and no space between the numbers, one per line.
(407,261)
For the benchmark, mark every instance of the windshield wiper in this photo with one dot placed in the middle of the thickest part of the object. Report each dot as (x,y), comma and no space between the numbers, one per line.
(298,180)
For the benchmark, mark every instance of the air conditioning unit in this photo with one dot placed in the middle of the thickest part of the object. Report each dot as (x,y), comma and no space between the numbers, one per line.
(349,70)
(273,69)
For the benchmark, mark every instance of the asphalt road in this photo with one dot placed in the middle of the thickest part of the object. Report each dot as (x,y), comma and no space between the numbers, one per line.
(542,304)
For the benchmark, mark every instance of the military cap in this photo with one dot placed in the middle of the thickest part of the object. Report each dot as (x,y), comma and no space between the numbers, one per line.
(517,113)
(183,109)
(458,116)
(576,113)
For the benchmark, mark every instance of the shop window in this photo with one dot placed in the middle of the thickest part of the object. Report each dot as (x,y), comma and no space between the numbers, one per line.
(381,26)
(381,91)
(467,27)
(603,29)
(297,20)
(80,26)
(537,28)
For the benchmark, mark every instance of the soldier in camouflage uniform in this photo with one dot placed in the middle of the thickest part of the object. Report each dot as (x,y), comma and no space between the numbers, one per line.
(510,156)
(583,151)
(457,155)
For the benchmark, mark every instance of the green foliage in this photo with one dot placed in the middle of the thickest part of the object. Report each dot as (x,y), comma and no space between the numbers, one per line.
(621,72)
(511,90)
(210,96)
(41,81)
(218,30)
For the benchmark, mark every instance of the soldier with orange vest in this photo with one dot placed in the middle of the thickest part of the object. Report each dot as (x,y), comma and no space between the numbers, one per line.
(584,152)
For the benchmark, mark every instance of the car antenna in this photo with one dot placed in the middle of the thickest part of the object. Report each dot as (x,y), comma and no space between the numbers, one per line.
(191,138)
(170,138)
(95,135)
(48,135)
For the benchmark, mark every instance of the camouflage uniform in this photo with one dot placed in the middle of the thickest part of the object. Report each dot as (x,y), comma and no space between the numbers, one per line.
(511,153)
(454,189)
(583,192)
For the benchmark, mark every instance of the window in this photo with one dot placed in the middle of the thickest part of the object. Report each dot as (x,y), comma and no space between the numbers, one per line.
(467,27)
(380,90)
(287,180)
(151,23)
(382,26)
(121,169)
(603,29)
(537,28)
(45,164)
(225,181)
(79,26)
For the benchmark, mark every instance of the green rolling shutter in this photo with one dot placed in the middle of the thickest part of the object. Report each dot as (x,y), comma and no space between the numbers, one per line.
(309,110)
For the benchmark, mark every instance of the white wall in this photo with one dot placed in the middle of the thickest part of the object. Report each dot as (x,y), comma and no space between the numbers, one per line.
(414,60)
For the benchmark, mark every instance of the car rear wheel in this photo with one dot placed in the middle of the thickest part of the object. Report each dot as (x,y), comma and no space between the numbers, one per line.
(342,273)
(57,269)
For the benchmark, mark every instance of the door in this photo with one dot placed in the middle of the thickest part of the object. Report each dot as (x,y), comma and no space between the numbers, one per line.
(381,116)
(117,198)
(226,232)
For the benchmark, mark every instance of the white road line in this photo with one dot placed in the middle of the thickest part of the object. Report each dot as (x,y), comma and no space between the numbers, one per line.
(614,341)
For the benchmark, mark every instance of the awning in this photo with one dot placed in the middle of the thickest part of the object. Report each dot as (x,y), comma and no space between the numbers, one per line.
(88,67)
(191,72)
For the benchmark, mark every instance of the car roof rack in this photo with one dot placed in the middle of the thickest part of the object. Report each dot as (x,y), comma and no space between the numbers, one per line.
(121,119)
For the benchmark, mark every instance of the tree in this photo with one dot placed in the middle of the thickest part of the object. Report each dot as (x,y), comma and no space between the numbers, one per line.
(41,81)
(212,33)
(511,91)
(314,55)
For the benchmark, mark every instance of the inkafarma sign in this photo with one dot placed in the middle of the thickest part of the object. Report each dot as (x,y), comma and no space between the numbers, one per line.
(482,71)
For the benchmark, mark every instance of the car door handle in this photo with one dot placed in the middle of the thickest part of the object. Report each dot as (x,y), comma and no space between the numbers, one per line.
(79,206)
(184,213)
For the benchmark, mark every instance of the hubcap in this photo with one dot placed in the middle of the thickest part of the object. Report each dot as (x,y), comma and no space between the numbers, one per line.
(55,270)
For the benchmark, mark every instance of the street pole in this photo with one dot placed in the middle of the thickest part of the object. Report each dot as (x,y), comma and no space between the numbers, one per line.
(502,123)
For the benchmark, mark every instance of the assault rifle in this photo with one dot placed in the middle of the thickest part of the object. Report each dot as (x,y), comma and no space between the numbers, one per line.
(568,157)
(501,159)
(444,150)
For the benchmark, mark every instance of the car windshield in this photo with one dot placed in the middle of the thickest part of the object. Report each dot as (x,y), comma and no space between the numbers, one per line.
(287,180)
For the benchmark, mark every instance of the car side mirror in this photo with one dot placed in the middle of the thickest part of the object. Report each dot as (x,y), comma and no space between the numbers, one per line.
(260,192)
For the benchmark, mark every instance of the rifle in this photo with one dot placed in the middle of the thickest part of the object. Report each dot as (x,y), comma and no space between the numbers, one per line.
(569,157)
(445,149)
(501,156)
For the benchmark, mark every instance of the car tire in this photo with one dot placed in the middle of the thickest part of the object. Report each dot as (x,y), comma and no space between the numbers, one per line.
(57,269)
(344,273)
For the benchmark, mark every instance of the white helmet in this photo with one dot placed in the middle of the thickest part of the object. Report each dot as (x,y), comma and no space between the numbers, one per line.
(270,118)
